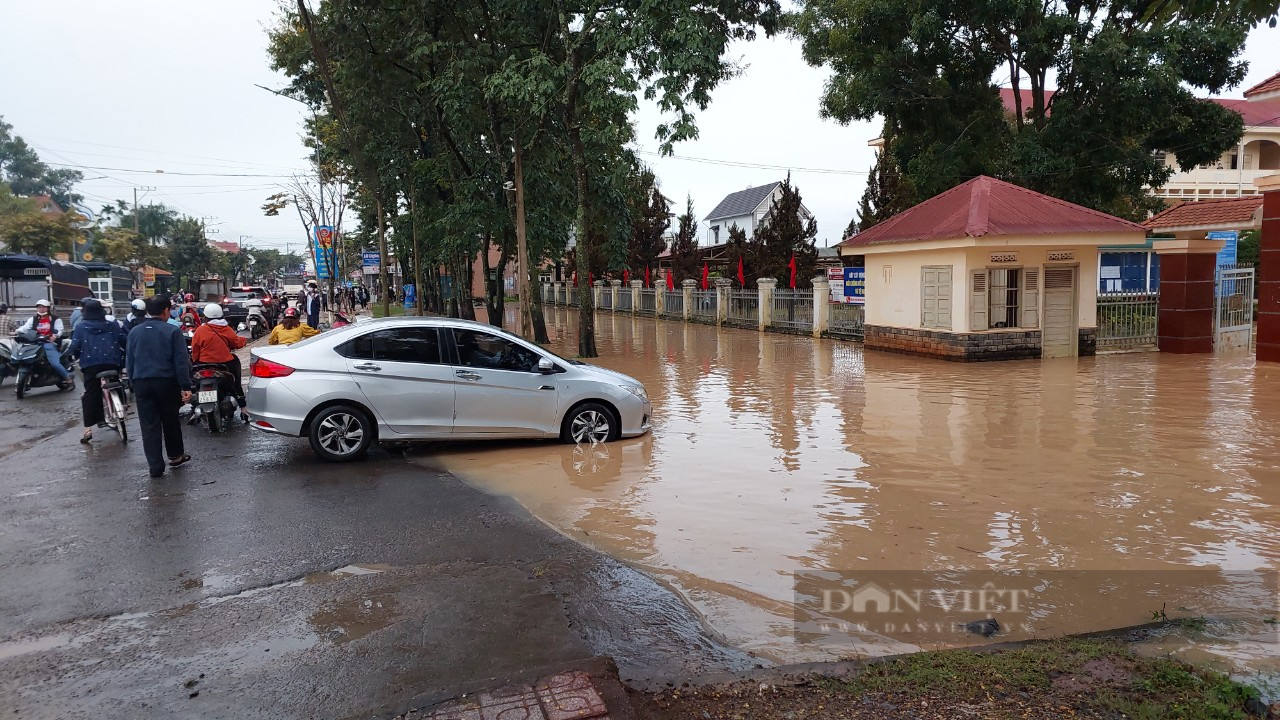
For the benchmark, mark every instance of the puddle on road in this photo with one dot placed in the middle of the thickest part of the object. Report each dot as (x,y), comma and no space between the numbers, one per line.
(18,648)
(355,618)
(774,454)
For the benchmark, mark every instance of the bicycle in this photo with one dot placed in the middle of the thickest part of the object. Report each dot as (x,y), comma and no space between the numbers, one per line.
(114,404)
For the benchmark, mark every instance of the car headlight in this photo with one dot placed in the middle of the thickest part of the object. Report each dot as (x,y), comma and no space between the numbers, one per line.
(638,391)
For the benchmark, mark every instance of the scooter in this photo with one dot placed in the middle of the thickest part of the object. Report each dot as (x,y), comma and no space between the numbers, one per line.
(209,400)
(188,331)
(30,366)
(256,322)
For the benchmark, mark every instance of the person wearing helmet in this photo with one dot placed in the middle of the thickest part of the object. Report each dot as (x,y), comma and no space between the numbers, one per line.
(290,330)
(75,314)
(137,313)
(215,343)
(99,343)
(49,327)
(189,314)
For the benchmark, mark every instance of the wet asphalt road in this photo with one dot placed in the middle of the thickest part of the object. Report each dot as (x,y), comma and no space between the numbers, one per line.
(258,582)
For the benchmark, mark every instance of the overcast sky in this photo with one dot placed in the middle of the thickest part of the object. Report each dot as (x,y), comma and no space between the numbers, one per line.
(128,87)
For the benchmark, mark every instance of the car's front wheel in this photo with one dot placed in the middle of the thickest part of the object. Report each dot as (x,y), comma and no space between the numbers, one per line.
(341,433)
(590,423)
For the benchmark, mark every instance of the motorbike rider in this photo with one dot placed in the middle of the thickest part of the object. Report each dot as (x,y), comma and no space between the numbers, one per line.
(49,327)
(214,343)
(99,343)
(136,315)
(190,313)
(290,330)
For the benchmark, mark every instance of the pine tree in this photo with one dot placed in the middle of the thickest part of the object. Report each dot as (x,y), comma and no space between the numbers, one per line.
(887,193)
(650,218)
(784,234)
(684,248)
(740,248)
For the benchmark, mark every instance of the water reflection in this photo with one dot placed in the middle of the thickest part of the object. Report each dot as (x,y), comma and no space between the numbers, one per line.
(772,454)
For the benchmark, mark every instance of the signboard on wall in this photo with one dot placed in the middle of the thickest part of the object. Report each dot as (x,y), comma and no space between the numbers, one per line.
(835,276)
(370,262)
(855,285)
(1226,256)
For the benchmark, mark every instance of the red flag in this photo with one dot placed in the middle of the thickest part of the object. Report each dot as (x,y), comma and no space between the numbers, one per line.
(671,281)
(742,277)
(626,277)
(646,277)
(706,277)
(792,265)
(591,278)
(575,278)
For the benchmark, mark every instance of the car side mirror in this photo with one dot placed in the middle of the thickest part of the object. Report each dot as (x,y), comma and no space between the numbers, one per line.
(545,366)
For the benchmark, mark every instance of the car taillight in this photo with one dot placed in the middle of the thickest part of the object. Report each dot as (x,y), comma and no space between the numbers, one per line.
(262,368)
(226,299)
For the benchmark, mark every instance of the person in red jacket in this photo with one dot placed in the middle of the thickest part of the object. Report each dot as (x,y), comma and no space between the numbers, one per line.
(215,343)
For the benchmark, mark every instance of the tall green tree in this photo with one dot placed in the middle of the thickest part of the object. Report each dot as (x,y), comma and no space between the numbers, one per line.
(887,193)
(684,246)
(785,233)
(190,256)
(27,175)
(1125,86)
(650,218)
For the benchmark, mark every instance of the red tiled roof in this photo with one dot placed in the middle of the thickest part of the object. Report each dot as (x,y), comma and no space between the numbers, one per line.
(1270,85)
(226,246)
(987,206)
(1256,113)
(1206,213)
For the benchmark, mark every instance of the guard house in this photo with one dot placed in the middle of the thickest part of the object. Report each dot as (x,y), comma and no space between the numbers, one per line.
(987,270)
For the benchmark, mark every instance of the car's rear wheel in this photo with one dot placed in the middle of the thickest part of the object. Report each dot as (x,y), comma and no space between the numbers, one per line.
(340,434)
(590,423)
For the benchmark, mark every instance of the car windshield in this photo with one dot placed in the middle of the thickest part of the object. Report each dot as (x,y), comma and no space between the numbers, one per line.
(242,294)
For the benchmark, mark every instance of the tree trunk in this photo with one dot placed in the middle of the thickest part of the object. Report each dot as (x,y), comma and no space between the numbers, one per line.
(492,296)
(586,314)
(417,256)
(522,247)
(382,254)
(535,308)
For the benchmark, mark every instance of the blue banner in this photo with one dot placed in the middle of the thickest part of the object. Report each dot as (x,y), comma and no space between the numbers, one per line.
(323,239)
(1227,256)
(855,285)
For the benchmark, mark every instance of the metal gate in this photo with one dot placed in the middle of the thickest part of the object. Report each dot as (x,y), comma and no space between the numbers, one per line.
(1233,308)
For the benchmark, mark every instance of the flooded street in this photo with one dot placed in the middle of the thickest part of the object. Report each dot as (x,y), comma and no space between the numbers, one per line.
(1120,486)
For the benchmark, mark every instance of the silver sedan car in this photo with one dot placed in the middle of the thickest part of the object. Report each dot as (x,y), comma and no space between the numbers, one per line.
(432,379)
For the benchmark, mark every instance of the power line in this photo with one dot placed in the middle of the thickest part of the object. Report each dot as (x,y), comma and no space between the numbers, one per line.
(161,152)
(167,172)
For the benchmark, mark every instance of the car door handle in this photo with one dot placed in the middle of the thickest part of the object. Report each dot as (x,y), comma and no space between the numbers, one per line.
(466,375)
(368,366)
(547,387)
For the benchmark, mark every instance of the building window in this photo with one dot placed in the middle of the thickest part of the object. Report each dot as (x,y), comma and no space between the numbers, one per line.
(935,297)
(1002,298)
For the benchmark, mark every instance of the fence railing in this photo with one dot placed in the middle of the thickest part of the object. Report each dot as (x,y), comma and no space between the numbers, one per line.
(606,299)
(648,301)
(673,304)
(744,307)
(792,309)
(1127,320)
(703,305)
(624,300)
(564,296)
(847,319)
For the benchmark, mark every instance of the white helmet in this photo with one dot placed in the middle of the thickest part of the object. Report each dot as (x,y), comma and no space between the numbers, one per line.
(213,311)
(139,304)
(42,302)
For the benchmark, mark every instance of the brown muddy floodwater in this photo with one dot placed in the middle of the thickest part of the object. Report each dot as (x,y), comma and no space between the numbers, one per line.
(1116,486)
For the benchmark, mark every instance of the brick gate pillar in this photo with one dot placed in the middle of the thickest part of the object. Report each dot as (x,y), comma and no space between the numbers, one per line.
(1268,277)
(1187,268)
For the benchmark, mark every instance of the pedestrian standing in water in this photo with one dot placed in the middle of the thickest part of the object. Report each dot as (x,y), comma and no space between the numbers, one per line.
(160,371)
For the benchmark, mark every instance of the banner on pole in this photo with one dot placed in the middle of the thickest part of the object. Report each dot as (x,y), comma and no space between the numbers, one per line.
(324,239)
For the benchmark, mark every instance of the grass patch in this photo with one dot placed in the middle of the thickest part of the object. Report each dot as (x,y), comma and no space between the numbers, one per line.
(1093,678)
(396,310)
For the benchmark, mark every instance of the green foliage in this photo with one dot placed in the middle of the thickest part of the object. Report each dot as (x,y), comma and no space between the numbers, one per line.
(685,264)
(1249,247)
(27,175)
(887,193)
(190,256)
(39,233)
(785,233)
(650,218)
(1125,90)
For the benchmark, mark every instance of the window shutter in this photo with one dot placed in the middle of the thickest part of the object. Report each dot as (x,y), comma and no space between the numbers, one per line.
(944,297)
(1030,298)
(928,297)
(978,300)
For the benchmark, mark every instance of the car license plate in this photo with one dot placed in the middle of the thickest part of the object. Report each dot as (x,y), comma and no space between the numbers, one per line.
(208,396)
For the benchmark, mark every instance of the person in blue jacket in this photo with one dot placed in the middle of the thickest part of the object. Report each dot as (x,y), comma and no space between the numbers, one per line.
(99,344)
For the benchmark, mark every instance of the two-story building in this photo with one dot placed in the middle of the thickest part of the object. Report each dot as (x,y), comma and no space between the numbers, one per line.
(746,209)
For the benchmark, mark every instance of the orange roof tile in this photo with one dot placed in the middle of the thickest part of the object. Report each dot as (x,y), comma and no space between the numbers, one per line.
(1270,86)
(1207,213)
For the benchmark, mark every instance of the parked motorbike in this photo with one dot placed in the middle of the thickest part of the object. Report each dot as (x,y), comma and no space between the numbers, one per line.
(209,401)
(188,331)
(30,366)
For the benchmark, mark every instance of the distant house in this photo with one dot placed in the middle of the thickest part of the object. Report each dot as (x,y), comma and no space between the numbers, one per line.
(225,246)
(46,204)
(746,209)
(1231,175)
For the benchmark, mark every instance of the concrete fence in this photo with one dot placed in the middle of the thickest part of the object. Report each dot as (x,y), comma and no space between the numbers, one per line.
(766,308)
